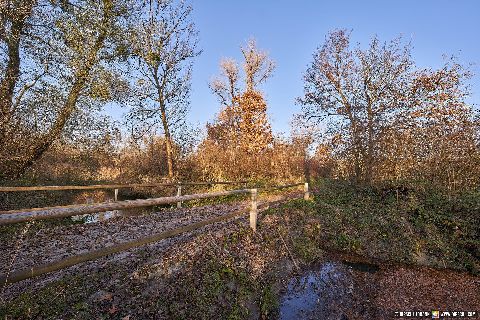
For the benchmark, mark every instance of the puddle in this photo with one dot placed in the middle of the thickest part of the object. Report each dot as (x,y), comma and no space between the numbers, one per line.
(319,294)
(362,266)
(97,217)
(102,216)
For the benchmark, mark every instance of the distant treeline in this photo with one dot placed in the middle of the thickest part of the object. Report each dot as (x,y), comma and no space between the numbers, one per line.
(368,115)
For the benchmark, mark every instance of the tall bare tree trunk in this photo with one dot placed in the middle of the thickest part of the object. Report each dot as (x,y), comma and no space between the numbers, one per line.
(306,166)
(166,128)
(12,72)
(370,145)
(168,143)
(357,156)
(357,148)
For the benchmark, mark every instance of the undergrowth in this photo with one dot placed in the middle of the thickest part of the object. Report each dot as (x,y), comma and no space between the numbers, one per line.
(417,226)
(239,274)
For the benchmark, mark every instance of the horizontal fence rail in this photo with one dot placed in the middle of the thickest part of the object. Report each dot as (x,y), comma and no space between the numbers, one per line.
(271,188)
(92,255)
(115,186)
(23,274)
(179,193)
(15,216)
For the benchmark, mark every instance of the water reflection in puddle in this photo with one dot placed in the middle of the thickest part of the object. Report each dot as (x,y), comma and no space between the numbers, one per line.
(97,217)
(319,294)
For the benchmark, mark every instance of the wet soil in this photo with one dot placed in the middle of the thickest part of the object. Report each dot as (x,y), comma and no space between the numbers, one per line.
(344,287)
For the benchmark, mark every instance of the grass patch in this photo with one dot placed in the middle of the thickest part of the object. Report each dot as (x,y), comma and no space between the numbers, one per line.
(401,226)
(218,290)
(52,300)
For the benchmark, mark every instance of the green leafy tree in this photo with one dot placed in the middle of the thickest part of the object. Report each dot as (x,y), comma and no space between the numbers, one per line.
(56,69)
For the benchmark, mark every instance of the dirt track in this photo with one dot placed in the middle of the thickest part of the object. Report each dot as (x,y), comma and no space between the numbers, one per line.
(52,244)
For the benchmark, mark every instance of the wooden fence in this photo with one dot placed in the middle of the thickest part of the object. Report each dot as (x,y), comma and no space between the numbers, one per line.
(9,217)
(117,187)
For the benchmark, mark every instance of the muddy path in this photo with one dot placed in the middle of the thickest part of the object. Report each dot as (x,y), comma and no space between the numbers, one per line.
(52,244)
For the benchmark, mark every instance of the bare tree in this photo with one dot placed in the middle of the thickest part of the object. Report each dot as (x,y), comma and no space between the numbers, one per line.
(358,90)
(164,46)
(226,86)
(257,66)
(13,22)
(242,129)
(243,120)
(385,116)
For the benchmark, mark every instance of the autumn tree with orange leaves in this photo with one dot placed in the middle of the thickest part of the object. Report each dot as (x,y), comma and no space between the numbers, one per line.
(241,132)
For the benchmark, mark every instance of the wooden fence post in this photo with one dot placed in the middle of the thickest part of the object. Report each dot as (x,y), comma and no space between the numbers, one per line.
(116,194)
(253,210)
(179,193)
(306,196)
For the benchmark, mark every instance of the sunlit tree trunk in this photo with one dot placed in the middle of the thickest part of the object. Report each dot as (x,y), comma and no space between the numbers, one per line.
(160,86)
(12,72)
(168,142)
(370,145)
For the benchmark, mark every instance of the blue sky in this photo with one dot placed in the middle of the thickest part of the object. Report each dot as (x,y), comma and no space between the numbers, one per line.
(291,31)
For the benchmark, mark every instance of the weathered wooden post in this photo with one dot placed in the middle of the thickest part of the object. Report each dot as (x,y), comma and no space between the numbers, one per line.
(116,194)
(179,193)
(306,196)
(253,210)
